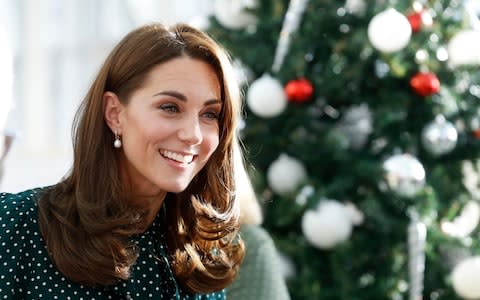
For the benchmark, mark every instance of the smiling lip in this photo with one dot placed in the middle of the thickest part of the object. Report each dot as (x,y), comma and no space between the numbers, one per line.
(184,158)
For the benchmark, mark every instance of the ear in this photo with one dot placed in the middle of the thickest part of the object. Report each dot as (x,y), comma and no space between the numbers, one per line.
(112,109)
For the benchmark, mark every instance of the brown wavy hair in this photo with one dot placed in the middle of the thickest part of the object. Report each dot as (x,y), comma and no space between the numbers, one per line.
(87,218)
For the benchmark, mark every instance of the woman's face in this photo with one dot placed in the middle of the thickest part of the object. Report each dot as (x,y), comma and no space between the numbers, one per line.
(169,128)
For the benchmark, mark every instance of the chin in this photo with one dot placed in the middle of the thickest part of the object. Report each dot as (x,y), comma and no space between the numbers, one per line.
(176,188)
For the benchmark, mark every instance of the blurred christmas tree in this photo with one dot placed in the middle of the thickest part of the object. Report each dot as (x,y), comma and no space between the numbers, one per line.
(363,124)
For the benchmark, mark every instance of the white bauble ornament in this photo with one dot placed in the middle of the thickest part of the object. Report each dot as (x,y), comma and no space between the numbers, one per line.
(355,215)
(464,48)
(466,278)
(421,56)
(440,136)
(285,174)
(232,14)
(389,31)
(465,223)
(328,225)
(404,174)
(266,97)
(356,7)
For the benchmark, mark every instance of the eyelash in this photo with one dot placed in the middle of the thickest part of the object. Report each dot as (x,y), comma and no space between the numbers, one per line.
(172,108)
(212,115)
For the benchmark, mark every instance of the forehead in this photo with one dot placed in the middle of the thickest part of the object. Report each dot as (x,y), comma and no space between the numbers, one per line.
(184,70)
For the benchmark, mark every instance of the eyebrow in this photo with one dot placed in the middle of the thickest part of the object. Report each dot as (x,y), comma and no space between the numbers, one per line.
(182,97)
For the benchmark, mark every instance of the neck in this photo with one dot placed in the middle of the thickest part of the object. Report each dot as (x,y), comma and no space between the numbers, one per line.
(151,205)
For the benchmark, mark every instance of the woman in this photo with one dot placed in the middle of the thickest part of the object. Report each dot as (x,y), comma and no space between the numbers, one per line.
(147,210)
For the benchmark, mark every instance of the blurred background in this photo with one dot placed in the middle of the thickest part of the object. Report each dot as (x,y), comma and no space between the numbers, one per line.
(56,47)
(363,126)
(362,123)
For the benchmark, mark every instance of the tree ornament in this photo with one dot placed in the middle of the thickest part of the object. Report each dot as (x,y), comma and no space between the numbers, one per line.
(425,83)
(356,216)
(285,174)
(465,277)
(464,48)
(232,14)
(421,56)
(404,174)
(439,136)
(356,7)
(292,19)
(266,97)
(474,126)
(389,31)
(465,223)
(419,19)
(381,68)
(356,125)
(417,234)
(299,90)
(415,20)
(327,225)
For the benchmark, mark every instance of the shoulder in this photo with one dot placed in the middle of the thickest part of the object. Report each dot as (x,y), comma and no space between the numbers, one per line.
(19,238)
(259,246)
(260,275)
(26,200)
(20,208)
(255,235)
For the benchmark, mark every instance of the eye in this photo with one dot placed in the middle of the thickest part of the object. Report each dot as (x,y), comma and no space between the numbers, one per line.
(211,115)
(169,107)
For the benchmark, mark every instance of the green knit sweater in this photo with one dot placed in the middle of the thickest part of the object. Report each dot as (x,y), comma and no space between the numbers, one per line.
(260,276)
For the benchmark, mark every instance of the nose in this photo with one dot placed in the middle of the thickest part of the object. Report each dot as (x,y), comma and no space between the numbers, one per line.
(190,131)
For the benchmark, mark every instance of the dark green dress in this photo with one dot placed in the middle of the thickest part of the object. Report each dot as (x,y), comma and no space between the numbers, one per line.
(26,271)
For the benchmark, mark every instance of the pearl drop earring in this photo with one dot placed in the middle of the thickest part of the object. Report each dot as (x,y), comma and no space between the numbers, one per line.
(117,143)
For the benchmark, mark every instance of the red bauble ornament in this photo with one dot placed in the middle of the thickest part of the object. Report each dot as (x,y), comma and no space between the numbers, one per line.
(425,83)
(299,90)
(415,20)
(476,133)
(419,19)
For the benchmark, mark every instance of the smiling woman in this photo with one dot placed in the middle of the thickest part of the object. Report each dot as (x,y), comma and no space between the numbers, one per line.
(148,209)
(169,128)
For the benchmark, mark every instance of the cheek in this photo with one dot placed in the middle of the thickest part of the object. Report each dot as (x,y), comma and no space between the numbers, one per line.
(211,144)
(149,132)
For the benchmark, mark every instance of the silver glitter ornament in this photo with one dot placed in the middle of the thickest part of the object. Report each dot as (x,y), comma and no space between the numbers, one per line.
(357,125)
(404,174)
(440,136)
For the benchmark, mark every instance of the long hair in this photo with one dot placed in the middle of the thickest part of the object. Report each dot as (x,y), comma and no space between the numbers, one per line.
(87,218)
(250,210)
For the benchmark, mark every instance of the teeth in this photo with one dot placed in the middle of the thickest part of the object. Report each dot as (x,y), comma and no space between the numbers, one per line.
(177,156)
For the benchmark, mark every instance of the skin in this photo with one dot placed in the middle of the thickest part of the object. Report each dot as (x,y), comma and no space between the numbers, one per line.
(169,129)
